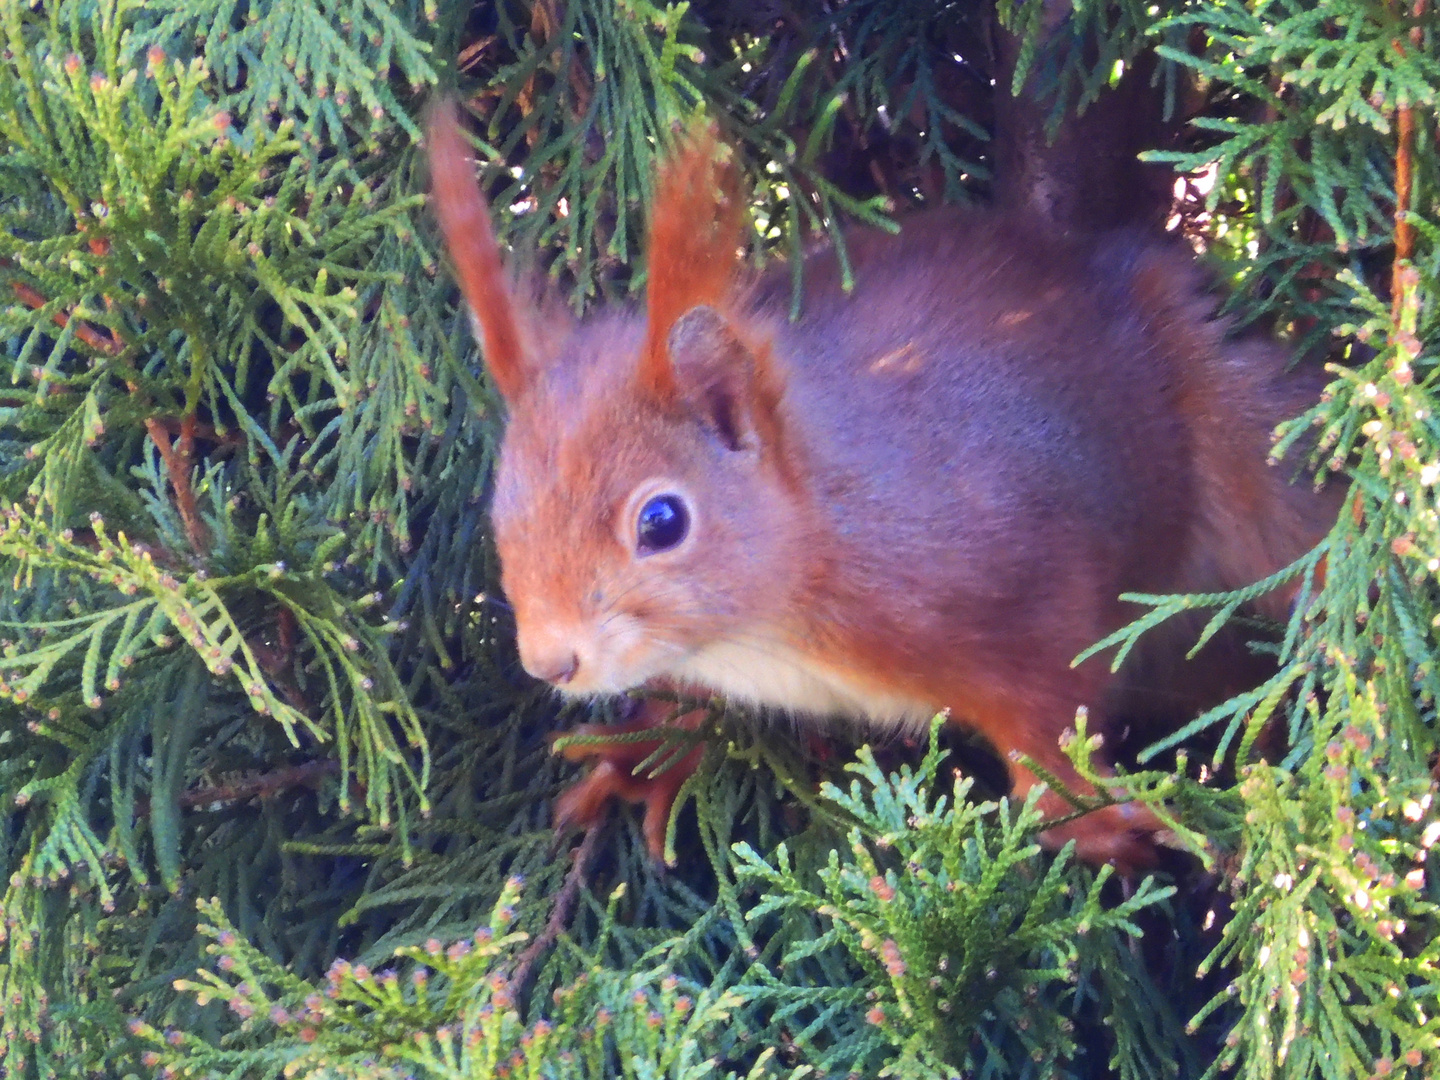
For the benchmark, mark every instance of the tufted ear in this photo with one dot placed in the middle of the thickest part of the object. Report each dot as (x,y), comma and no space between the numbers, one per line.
(465,224)
(722,379)
(696,226)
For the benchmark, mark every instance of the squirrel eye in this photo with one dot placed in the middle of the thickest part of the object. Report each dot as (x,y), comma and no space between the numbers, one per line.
(662,524)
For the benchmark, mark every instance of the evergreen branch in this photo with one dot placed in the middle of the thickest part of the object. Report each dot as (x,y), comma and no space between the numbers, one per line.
(209,227)
(562,909)
(337,62)
(177,465)
(92,337)
(197,609)
(923,903)
(1166,607)
(259,787)
(454,1015)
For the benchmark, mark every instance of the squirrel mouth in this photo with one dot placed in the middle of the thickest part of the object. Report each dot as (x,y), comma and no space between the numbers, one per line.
(583,661)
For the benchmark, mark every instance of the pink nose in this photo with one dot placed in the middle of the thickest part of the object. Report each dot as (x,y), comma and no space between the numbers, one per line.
(556,666)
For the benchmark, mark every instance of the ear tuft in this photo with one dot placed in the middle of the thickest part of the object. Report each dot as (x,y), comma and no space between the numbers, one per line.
(465,224)
(696,225)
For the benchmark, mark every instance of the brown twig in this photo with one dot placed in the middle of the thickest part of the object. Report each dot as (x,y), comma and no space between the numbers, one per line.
(177,460)
(471,54)
(546,20)
(276,659)
(96,339)
(1404,231)
(177,466)
(205,432)
(559,914)
(1404,174)
(261,786)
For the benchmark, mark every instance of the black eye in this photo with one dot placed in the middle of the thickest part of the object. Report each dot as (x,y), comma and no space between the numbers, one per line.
(662,524)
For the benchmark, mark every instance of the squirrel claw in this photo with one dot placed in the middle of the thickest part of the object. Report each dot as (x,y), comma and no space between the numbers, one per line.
(585,802)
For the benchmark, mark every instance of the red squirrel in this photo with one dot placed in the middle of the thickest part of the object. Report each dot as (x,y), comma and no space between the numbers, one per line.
(924,494)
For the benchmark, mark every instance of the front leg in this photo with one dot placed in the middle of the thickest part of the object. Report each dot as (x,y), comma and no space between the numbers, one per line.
(585,802)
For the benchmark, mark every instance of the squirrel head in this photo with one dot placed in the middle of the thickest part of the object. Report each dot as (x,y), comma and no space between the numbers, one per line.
(646,504)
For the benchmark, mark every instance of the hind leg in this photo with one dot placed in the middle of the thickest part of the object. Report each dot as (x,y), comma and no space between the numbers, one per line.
(1031,724)
(1122,835)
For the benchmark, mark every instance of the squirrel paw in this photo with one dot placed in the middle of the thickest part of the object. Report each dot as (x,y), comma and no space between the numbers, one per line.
(1123,835)
(585,802)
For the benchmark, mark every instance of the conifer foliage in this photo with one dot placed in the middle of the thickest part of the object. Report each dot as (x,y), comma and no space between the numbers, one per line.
(275,793)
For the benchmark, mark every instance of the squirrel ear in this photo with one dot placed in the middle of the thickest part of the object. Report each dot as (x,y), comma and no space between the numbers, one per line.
(721,378)
(696,231)
(474,254)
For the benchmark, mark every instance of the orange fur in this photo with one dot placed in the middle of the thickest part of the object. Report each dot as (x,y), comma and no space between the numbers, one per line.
(695,232)
(465,223)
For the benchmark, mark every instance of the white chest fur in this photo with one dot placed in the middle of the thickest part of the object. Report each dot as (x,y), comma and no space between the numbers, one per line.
(778,677)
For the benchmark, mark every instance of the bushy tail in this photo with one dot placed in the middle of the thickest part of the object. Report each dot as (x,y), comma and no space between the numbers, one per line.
(1255,515)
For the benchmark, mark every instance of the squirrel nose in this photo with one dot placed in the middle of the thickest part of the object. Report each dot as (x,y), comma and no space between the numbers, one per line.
(559,667)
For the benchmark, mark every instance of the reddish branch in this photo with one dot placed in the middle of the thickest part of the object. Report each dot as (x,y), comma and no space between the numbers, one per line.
(470,55)
(275,659)
(95,338)
(1404,171)
(261,786)
(205,432)
(560,914)
(177,456)
(1404,231)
